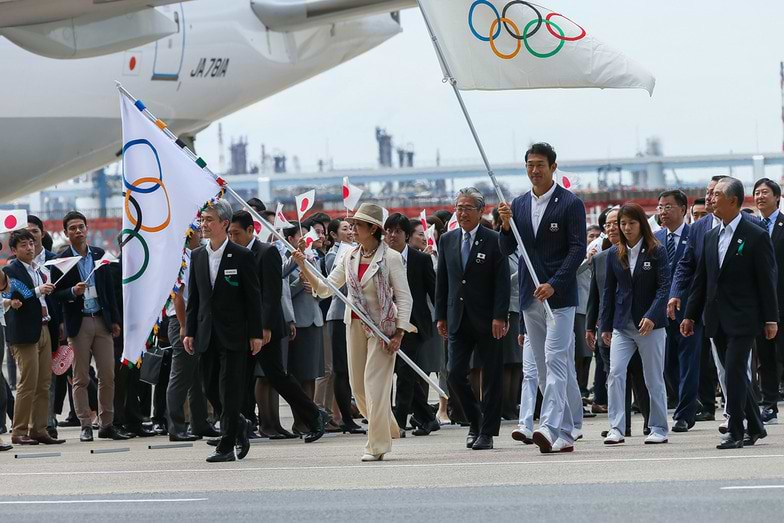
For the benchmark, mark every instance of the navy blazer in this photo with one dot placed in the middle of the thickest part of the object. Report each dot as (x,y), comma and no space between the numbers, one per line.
(777,238)
(480,294)
(557,250)
(632,298)
(680,249)
(23,325)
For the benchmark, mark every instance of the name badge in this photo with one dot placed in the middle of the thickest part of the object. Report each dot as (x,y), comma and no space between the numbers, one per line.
(230,272)
(91,293)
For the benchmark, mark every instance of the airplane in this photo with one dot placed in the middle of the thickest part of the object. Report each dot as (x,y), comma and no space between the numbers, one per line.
(191,63)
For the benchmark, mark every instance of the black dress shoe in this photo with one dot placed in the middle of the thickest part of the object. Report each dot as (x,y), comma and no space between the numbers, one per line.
(750,439)
(352,429)
(86,434)
(160,429)
(319,429)
(5,446)
(69,422)
(207,432)
(182,436)
(483,442)
(213,442)
(471,439)
(705,416)
(52,432)
(419,431)
(220,457)
(730,443)
(286,434)
(138,430)
(646,431)
(680,426)
(243,442)
(112,432)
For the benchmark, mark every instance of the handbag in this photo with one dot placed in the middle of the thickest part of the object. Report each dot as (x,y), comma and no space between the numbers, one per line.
(152,361)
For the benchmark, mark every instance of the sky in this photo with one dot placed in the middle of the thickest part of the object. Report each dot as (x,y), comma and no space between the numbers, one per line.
(718,91)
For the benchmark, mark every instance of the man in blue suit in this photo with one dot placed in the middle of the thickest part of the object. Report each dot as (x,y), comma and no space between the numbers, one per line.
(551,222)
(682,364)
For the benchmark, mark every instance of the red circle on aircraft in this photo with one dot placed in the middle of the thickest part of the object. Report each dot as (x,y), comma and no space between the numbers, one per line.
(132,64)
(345,192)
(256,226)
(10,222)
(304,206)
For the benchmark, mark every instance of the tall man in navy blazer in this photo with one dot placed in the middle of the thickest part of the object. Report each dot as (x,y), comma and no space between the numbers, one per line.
(735,288)
(682,363)
(472,309)
(551,222)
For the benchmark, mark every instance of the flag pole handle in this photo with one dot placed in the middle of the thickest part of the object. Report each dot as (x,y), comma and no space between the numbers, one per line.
(336,291)
(448,78)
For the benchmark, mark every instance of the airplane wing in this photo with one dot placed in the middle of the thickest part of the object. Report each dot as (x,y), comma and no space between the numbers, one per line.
(292,15)
(82,29)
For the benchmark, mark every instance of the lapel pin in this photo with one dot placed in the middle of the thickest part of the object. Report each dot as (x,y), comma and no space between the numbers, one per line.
(553,227)
(228,255)
(556,200)
(740,241)
(646,266)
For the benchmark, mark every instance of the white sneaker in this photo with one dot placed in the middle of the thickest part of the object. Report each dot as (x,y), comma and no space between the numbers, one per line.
(614,437)
(577,434)
(523,434)
(654,439)
(372,457)
(561,445)
(543,441)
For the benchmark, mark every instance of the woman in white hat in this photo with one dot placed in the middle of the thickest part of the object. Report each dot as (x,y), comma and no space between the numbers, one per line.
(376,281)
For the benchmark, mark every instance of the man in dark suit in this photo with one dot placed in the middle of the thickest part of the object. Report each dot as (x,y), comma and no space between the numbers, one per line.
(472,309)
(224,320)
(270,270)
(411,396)
(735,289)
(551,223)
(92,320)
(767,196)
(682,363)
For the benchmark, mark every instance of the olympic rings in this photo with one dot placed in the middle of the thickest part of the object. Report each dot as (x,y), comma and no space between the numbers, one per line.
(138,209)
(492,41)
(562,37)
(140,272)
(132,187)
(531,28)
(136,221)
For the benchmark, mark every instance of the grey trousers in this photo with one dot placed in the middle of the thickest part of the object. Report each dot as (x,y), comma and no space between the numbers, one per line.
(184,381)
(652,348)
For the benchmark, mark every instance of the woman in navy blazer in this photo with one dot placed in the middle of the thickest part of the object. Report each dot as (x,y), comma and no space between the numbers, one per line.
(634,317)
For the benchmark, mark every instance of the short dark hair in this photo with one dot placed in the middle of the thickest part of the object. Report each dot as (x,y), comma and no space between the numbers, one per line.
(322,218)
(438,222)
(35,220)
(291,231)
(443,215)
(542,149)
(334,226)
(718,177)
(267,215)
(257,205)
(46,241)
(734,190)
(243,218)
(593,227)
(773,186)
(20,236)
(414,223)
(603,216)
(310,222)
(698,201)
(398,221)
(73,215)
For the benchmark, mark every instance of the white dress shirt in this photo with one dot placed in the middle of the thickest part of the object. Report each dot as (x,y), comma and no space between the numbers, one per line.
(539,205)
(215,259)
(716,221)
(404,254)
(472,233)
(676,234)
(725,237)
(634,253)
(39,260)
(34,272)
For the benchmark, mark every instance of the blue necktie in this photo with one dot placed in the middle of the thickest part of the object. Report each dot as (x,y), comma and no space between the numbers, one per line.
(670,247)
(766,224)
(465,251)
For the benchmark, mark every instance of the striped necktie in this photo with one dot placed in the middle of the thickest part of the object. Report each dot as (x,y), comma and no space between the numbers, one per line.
(766,224)
(671,247)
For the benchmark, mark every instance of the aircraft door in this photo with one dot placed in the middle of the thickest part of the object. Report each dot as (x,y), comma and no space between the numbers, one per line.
(169,51)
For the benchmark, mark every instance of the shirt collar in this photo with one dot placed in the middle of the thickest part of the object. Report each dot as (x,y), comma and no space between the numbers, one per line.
(773,216)
(716,221)
(636,249)
(75,253)
(404,253)
(472,232)
(679,231)
(250,245)
(546,196)
(220,250)
(733,225)
(29,266)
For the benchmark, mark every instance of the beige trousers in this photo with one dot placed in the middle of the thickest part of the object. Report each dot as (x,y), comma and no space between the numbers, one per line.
(370,372)
(93,341)
(325,395)
(31,410)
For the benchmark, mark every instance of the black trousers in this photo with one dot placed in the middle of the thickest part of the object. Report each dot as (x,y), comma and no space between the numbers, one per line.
(706,392)
(270,359)
(184,381)
(484,419)
(734,355)
(231,376)
(771,356)
(127,409)
(409,395)
(159,407)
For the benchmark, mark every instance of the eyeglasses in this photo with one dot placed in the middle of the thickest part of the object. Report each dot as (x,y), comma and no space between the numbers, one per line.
(610,225)
(667,207)
(462,210)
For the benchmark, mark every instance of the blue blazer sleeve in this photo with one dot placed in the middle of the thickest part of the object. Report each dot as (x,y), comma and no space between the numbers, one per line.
(506,239)
(577,245)
(686,268)
(657,312)
(442,282)
(610,285)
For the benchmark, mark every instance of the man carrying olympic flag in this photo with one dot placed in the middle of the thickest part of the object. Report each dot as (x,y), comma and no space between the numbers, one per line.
(512,44)
(164,191)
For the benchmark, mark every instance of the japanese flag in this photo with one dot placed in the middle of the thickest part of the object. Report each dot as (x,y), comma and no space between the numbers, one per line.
(305,202)
(13,220)
(430,235)
(311,236)
(569,181)
(452,225)
(280,219)
(351,194)
(106,259)
(423,220)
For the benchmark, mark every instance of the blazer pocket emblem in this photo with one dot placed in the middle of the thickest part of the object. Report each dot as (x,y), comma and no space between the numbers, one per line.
(553,227)
(480,257)
(646,266)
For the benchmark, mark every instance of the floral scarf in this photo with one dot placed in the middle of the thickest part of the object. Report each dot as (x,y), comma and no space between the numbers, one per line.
(387,320)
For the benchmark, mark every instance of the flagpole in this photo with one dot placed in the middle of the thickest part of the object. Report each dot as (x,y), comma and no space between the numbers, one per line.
(451,80)
(335,290)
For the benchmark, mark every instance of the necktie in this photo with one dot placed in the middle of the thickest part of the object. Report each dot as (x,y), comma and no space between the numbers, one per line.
(670,247)
(766,224)
(466,249)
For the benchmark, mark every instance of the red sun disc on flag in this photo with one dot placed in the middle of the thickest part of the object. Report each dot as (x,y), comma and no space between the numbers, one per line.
(256,226)
(304,205)
(10,222)
(345,192)
(308,241)
(132,63)
(566,183)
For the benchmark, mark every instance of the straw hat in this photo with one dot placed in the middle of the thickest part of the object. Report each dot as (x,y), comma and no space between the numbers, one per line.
(369,213)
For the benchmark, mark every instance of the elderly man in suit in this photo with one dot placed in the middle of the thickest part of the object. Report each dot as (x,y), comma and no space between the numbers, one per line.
(735,289)
(551,223)
(224,318)
(472,308)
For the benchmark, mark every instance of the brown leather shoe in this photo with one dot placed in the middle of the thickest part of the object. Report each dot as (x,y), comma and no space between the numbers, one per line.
(23,440)
(598,409)
(46,439)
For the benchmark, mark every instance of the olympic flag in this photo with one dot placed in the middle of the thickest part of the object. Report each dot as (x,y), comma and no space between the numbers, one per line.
(502,44)
(164,191)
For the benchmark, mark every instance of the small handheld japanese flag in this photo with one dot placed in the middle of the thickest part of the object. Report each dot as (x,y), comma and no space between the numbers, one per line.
(430,235)
(13,220)
(311,236)
(305,202)
(64,265)
(280,219)
(569,181)
(351,194)
(423,219)
(452,225)
(106,259)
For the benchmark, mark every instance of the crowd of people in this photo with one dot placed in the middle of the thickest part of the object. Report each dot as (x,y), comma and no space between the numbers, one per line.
(631,313)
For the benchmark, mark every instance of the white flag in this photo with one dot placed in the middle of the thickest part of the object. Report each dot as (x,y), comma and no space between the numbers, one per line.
(452,225)
(423,219)
(280,219)
(502,44)
(304,203)
(64,265)
(13,220)
(106,259)
(351,194)
(164,191)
